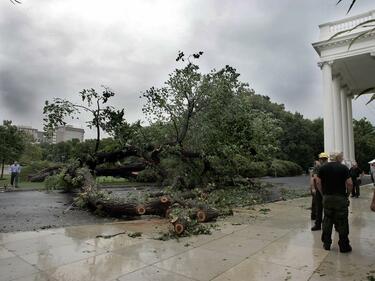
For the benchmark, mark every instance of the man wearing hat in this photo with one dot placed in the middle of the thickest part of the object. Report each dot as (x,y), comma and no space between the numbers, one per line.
(335,183)
(317,205)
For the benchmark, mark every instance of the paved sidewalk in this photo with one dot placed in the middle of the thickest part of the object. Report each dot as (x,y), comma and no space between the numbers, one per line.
(269,242)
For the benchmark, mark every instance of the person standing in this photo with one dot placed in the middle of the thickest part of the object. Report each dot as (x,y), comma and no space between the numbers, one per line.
(372,207)
(15,170)
(355,174)
(313,189)
(317,206)
(372,173)
(335,184)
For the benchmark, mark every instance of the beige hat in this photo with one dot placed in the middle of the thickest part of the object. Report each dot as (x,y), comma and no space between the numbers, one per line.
(335,156)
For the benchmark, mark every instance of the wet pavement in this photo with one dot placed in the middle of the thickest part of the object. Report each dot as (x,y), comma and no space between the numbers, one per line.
(268,242)
(299,182)
(33,210)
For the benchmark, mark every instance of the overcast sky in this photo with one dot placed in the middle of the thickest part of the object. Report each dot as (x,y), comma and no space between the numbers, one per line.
(55,48)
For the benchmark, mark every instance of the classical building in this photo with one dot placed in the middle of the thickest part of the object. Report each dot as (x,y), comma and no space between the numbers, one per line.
(66,133)
(348,68)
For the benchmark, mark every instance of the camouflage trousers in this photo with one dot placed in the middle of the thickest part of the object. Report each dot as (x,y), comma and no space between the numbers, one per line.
(335,213)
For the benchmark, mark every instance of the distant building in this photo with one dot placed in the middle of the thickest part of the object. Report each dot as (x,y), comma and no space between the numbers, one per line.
(62,133)
(66,133)
(30,131)
(42,138)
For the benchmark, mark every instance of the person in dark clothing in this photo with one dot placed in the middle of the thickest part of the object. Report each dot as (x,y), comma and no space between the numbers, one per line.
(314,172)
(355,174)
(335,184)
(317,205)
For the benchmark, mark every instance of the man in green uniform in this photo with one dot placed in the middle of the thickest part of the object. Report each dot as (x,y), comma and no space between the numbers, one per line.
(335,184)
(317,201)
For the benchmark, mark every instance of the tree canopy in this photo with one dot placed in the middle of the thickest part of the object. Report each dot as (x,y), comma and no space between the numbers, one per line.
(103,117)
(12,144)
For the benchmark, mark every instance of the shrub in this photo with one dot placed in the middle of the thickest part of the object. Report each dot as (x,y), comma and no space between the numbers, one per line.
(148,175)
(283,168)
(53,182)
(182,174)
(249,168)
(110,180)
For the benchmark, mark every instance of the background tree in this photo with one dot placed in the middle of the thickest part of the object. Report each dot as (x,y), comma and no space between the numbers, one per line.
(12,144)
(364,141)
(102,117)
(178,101)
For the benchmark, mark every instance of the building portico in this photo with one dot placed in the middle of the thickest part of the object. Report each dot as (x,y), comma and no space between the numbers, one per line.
(348,68)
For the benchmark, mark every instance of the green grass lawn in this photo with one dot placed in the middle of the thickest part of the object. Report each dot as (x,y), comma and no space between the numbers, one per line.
(112,181)
(22,184)
(103,181)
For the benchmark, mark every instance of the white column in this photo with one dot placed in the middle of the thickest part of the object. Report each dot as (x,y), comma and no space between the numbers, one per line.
(344,118)
(350,129)
(329,137)
(337,114)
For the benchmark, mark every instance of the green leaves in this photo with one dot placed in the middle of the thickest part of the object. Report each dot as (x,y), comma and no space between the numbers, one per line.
(364,140)
(102,117)
(351,5)
(370,90)
(12,142)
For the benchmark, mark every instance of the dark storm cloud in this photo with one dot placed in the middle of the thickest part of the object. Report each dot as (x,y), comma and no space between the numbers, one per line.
(54,49)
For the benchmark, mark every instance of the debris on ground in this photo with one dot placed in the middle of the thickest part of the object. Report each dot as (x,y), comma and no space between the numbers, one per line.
(109,235)
(135,234)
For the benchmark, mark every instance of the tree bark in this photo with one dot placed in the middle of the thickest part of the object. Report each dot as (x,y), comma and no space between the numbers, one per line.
(206,214)
(41,175)
(118,208)
(124,171)
(157,207)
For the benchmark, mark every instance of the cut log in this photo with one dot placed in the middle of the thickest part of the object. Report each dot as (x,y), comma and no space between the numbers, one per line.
(118,209)
(206,214)
(156,207)
(179,225)
(165,199)
(141,209)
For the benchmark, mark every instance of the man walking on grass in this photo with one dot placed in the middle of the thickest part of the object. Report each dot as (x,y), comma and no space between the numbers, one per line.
(335,183)
(15,170)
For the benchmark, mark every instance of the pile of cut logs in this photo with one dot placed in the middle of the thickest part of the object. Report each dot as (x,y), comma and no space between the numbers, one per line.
(159,204)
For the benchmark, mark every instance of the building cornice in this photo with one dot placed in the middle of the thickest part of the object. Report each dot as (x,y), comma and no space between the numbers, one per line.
(340,41)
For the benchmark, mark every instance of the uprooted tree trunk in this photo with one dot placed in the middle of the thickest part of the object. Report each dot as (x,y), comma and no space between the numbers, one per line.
(103,201)
(125,171)
(43,174)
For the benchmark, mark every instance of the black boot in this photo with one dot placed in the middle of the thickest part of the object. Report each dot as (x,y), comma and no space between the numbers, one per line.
(345,247)
(316,227)
(327,246)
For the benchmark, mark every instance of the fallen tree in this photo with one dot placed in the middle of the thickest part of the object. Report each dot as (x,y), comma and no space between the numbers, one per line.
(43,174)
(183,209)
